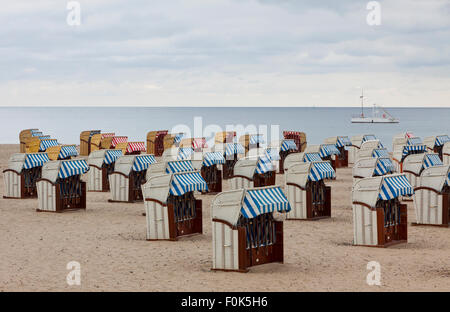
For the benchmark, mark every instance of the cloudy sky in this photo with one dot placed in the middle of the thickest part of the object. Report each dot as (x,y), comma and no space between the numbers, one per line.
(225,53)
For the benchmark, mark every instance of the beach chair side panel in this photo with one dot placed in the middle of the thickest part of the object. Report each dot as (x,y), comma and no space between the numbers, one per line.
(13,184)
(225,247)
(298,202)
(413,180)
(240,183)
(46,195)
(119,186)
(157,220)
(95,181)
(428,206)
(365,231)
(352,152)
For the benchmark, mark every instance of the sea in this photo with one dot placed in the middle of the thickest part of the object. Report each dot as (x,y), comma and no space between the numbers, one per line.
(66,123)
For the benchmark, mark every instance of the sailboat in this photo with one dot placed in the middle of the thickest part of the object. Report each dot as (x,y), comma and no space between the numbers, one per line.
(379,114)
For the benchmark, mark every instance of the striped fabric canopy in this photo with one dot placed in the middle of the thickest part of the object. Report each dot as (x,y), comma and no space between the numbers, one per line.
(234,148)
(72,167)
(107,135)
(328,150)
(214,158)
(431,160)
(46,143)
(415,141)
(141,162)
(273,154)
(413,148)
(384,166)
(380,152)
(179,166)
(187,182)
(67,151)
(260,201)
(395,186)
(257,138)
(35,133)
(320,171)
(135,147)
(178,137)
(44,137)
(35,160)
(199,143)
(111,156)
(343,141)
(288,145)
(310,157)
(369,137)
(264,165)
(441,140)
(185,153)
(118,139)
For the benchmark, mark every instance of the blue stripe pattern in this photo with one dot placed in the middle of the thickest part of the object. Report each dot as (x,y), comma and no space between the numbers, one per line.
(384,166)
(264,165)
(234,148)
(343,141)
(369,137)
(441,140)
(46,144)
(260,201)
(141,162)
(272,154)
(67,151)
(328,150)
(431,160)
(185,153)
(35,160)
(394,187)
(44,137)
(310,157)
(413,148)
(213,158)
(288,145)
(72,167)
(320,171)
(179,166)
(257,138)
(35,133)
(111,156)
(187,182)
(178,137)
(380,153)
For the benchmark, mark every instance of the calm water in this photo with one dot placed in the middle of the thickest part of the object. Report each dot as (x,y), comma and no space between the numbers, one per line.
(65,124)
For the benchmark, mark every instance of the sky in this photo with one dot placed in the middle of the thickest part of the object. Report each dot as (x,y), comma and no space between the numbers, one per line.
(225,53)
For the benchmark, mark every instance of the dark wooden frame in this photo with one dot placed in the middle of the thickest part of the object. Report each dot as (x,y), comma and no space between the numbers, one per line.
(283,155)
(264,179)
(60,206)
(309,202)
(214,187)
(228,167)
(256,256)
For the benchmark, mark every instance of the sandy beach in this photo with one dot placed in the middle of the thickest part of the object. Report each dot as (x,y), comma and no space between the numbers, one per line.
(108,240)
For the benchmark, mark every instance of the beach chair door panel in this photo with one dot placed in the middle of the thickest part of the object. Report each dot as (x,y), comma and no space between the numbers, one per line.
(319,199)
(187,215)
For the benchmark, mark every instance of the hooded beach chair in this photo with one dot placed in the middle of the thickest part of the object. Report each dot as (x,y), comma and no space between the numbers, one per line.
(372,167)
(96,141)
(255,171)
(367,148)
(22,173)
(246,228)
(173,140)
(279,150)
(413,145)
(134,148)
(435,144)
(298,137)
(432,196)
(210,171)
(62,152)
(302,157)
(401,139)
(308,195)
(38,144)
(379,218)
(342,143)
(101,164)
(155,142)
(60,187)
(85,141)
(225,137)
(327,152)
(231,152)
(171,208)
(26,135)
(114,142)
(250,141)
(130,172)
(357,141)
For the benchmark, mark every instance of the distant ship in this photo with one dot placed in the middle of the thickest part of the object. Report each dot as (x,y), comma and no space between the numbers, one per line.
(379,115)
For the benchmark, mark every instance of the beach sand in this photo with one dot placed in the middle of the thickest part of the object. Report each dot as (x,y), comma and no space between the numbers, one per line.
(108,240)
